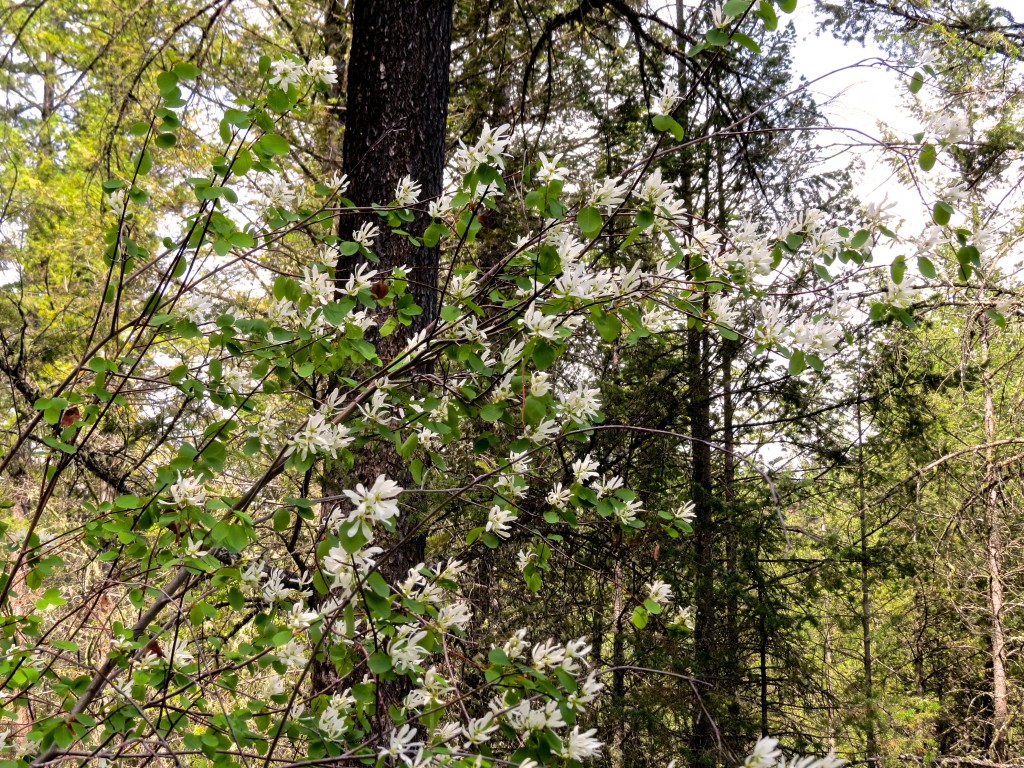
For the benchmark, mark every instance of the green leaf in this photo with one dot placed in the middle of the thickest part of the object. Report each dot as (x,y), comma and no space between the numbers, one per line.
(640,617)
(736,7)
(916,82)
(590,222)
(379,663)
(279,100)
(787,6)
(242,240)
(996,317)
(897,269)
(543,355)
(376,582)
(186,70)
(165,140)
(926,159)
(243,162)
(50,597)
(281,637)
(747,42)
(144,163)
(608,326)
(273,144)
(498,656)
(491,412)
(903,316)
(167,82)
(717,37)
(433,234)
(926,268)
(942,213)
(797,363)
(767,14)
(860,238)
(282,519)
(535,409)
(668,124)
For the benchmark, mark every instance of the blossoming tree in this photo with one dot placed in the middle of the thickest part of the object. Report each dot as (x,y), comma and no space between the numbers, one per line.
(280,579)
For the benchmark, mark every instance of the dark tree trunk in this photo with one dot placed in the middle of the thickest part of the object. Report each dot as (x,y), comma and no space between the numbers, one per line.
(396,112)
(395,119)
(704,739)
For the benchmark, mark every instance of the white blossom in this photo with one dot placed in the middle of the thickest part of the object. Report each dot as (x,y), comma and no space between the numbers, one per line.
(285,72)
(540,383)
(580,745)
(359,280)
(582,404)
(374,505)
(479,730)
(489,149)
(498,520)
(457,615)
(402,744)
(405,648)
(188,490)
(611,194)
(539,324)
(196,307)
(659,592)
(549,170)
(584,469)
(668,99)
(194,548)
(764,754)
(685,512)
(558,496)
(293,654)
(322,70)
(901,294)
(542,432)
(407,192)
(366,234)
(319,436)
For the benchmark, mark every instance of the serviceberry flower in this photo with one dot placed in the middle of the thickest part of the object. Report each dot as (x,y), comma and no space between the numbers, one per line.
(659,592)
(407,192)
(286,72)
(549,170)
(322,70)
(188,490)
(366,234)
(580,745)
(498,520)
(194,548)
(374,505)
(668,99)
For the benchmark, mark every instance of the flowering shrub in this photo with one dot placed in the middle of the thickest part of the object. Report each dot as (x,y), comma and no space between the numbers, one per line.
(219,593)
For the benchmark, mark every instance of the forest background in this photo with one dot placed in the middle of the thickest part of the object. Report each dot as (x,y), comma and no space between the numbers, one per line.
(508,383)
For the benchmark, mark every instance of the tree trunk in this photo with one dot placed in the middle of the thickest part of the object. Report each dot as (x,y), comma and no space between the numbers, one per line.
(871,736)
(395,120)
(994,561)
(396,113)
(704,741)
